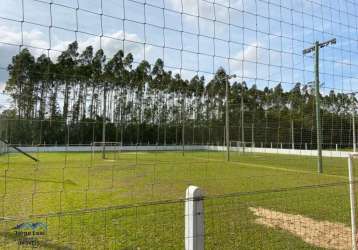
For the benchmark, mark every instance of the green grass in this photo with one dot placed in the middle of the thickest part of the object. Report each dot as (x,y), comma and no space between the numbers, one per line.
(65,182)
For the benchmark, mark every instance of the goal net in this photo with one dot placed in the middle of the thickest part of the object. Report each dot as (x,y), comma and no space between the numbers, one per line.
(3,148)
(106,150)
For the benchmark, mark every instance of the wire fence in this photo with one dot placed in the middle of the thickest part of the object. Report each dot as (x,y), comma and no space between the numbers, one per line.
(270,132)
(273,218)
(111,109)
(134,196)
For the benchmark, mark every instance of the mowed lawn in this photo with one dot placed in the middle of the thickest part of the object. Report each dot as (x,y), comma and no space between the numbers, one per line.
(133,200)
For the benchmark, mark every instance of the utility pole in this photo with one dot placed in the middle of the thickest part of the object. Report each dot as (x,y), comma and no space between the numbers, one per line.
(252,136)
(315,49)
(354,122)
(354,128)
(242,118)
(183,125)
(292,134)
(227,121)
(318,110)
(104,121)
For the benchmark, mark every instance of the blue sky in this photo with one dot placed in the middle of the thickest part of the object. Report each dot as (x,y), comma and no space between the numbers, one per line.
(260,41)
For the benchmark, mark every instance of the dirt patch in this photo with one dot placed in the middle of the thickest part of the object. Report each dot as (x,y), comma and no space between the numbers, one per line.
(323,234)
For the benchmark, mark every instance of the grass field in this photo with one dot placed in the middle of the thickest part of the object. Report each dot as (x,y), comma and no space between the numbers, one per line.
(60,184)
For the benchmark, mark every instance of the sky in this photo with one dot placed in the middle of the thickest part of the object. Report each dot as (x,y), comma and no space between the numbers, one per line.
(259,41)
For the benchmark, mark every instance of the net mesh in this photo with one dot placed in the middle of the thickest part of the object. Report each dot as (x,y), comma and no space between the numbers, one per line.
(168,85)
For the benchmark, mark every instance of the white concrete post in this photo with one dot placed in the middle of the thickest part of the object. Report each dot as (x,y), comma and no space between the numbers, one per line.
(306,146)
(194,219)
(352,199)
(336,147)
(271,144)
(281,145)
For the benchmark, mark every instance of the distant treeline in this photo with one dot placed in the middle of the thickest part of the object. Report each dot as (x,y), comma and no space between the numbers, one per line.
(64,101)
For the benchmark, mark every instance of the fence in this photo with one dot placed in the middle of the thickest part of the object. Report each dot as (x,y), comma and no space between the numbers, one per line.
(305,217)
(136,195)
(173,148)
(277,133)
(174,82)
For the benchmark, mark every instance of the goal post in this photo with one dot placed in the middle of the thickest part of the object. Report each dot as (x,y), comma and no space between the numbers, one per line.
(108,150)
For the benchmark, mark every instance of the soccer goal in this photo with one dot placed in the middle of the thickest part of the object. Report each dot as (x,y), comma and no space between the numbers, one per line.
(106,150)
(242,147)
(3,148)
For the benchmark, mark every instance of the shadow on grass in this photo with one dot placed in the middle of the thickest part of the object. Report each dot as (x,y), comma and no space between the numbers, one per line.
(66,182)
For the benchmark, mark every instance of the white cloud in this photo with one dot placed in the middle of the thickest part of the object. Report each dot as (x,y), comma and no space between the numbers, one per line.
(10,40)
(216,9)
(35,38)
(5,100)
(187,6)
(248,54)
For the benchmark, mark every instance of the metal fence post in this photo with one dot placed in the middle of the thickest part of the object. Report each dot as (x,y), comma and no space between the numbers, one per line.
(352,199)
(194,219)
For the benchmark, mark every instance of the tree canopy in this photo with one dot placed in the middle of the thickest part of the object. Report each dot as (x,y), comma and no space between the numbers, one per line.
(77,85)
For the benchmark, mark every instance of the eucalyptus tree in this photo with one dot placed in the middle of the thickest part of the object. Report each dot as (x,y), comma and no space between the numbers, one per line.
(278,98)
(156,86)
(141,78)
(267,104)
(128,86)
(295,104)
(173,99)
(216,93)
(154,96)
(20,85)
(97,77)
(84,73)
(119,84)
(255,102)
(180,87)
(67,62)
(43,77)
(54,86)
(243,103)
(111,78)
(196,90)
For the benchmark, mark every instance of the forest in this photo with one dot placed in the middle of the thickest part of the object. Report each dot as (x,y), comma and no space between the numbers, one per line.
(66,100)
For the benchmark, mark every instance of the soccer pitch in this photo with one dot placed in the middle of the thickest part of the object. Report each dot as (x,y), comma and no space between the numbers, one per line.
(134,200)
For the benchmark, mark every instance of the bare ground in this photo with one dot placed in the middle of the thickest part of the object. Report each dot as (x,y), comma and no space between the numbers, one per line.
(323,234)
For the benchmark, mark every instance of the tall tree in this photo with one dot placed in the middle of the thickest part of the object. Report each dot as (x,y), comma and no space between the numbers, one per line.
(97,76)
(67,67)
(43,78)
(21,85)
